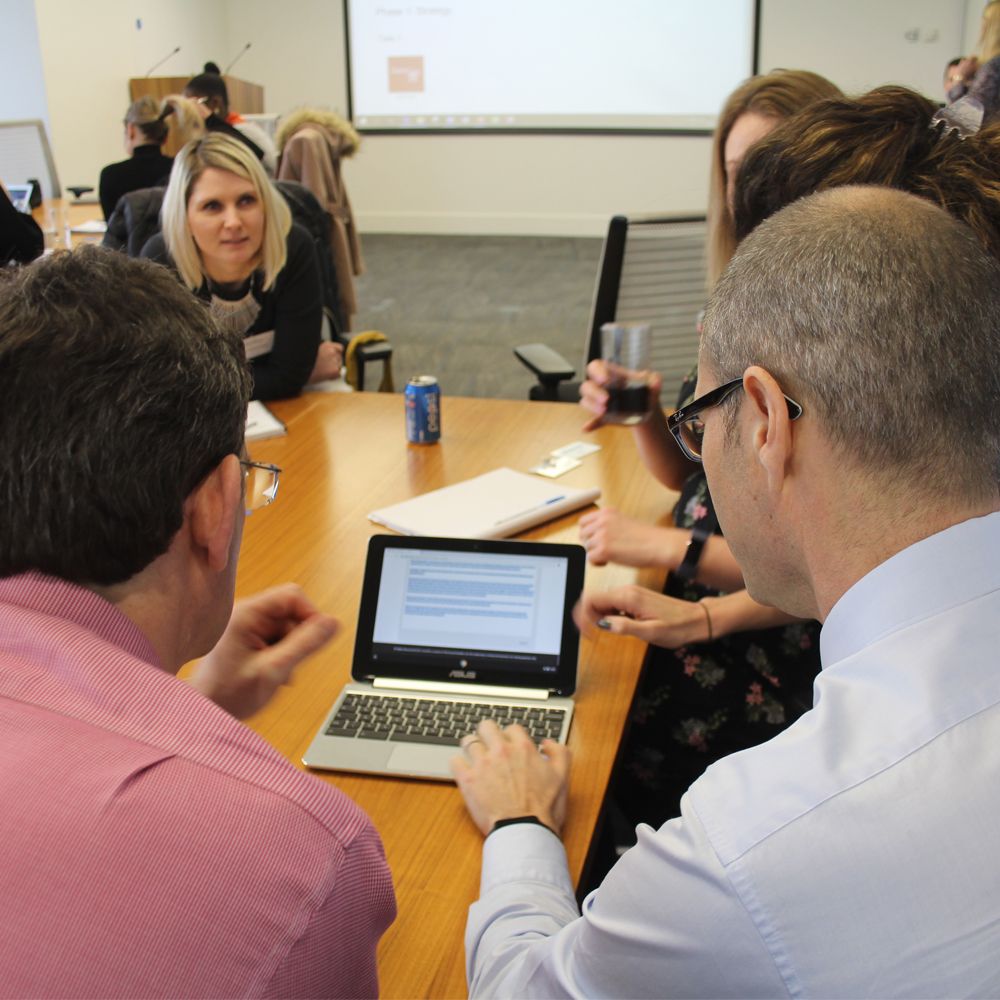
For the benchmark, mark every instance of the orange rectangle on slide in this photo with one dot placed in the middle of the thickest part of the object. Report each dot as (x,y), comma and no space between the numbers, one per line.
(406,74)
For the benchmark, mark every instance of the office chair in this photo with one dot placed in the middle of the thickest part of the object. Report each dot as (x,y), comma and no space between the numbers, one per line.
(652,270)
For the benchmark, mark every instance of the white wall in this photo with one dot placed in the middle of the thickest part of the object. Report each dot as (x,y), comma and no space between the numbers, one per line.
(571,185)
(471,184)
(22,94)
(90,50)
(860,44)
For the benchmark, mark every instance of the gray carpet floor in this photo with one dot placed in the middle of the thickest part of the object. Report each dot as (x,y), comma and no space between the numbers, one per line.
(456,306)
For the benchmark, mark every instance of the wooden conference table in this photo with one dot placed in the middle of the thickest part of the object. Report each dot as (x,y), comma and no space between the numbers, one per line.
(345,455)
(57,217)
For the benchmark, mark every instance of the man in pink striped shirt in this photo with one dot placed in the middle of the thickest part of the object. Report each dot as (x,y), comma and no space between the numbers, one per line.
(151,844)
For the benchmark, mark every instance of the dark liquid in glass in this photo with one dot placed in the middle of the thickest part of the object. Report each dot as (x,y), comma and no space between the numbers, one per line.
(627,403)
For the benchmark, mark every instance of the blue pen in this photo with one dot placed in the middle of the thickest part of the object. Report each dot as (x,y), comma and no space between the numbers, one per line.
(523,513)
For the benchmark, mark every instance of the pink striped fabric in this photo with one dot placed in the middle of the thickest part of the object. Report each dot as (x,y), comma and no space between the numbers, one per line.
(152,845)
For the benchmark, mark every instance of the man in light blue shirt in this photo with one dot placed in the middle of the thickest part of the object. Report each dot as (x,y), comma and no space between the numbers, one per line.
(848,416)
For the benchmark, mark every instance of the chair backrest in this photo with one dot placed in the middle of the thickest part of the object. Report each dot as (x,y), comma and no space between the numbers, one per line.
(25,154)
(653,270)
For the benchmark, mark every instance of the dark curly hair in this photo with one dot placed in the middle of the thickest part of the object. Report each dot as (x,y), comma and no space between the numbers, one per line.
(884,138)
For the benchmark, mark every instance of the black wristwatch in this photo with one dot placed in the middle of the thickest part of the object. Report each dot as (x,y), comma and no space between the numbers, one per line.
(700,534)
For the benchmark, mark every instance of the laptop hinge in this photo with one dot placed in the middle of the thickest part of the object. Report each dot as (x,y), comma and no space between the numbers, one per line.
(443,687)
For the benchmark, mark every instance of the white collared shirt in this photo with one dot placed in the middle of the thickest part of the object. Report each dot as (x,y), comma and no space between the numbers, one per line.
(856,854)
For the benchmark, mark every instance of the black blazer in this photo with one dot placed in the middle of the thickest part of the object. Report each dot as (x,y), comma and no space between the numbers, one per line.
(147,167)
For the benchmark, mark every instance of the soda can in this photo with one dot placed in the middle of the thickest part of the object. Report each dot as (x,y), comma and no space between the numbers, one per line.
(423,410)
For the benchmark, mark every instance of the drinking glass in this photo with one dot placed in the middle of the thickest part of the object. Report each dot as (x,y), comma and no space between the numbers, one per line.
(625,348)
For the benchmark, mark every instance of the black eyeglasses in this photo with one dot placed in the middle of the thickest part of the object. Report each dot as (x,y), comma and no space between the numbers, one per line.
(687,428)
(261,484)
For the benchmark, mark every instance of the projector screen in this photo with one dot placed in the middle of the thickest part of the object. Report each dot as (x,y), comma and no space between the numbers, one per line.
(578,65)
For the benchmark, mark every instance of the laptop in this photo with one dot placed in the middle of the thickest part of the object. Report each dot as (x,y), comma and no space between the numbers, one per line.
(20,196)
(450,631)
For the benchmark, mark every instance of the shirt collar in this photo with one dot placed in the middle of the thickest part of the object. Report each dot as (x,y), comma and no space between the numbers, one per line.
(939,572)
(72,602)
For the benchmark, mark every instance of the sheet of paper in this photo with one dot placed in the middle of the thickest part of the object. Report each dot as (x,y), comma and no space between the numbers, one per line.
(576,449)
(555,466)
(93,226)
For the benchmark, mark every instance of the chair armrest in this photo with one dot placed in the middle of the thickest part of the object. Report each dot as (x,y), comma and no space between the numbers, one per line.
(377,351)
(549,366)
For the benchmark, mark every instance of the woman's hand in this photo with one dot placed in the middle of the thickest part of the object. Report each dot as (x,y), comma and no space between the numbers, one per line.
(610,536)
(329,361)
(594,393)
(654,618)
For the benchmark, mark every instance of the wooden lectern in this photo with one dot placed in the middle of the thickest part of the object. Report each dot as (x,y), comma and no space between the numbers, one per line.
(243,96)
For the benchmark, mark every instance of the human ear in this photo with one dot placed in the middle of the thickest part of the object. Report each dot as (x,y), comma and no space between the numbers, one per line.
(213,509)
(771,427)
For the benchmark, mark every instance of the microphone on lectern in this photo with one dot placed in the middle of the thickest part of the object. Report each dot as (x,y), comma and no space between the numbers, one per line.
(239,56)
(163,60)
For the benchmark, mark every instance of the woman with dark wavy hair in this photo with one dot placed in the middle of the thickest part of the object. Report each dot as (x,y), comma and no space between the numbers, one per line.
(885,137)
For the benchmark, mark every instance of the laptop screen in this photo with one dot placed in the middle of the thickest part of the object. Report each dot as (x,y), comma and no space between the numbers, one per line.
(455,609)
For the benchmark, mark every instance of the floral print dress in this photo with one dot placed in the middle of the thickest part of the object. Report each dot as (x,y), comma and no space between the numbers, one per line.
(704,701)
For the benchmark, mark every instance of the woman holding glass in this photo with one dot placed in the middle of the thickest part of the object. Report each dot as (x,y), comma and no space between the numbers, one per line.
(727,673)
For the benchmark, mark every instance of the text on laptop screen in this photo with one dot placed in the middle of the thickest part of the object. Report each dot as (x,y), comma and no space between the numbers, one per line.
(478,606)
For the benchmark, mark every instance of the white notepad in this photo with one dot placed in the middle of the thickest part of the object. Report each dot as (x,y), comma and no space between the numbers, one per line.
(262,423)
(495,505)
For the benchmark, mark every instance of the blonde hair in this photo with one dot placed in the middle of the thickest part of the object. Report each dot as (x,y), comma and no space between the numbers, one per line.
(989,32)
(221,153)
(146,115)
(778,94)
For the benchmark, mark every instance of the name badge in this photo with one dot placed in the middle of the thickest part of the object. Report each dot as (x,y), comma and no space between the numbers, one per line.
(259,344)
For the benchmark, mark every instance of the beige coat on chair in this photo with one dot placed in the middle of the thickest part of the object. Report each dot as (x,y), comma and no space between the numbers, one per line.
(312,144)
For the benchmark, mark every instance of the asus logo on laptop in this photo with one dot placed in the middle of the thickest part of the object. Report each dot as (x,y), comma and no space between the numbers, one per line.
(469,675)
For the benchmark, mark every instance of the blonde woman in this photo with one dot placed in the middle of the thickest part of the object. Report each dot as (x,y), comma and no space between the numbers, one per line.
(229,236)
(756,107)
(978,76)
(145,132)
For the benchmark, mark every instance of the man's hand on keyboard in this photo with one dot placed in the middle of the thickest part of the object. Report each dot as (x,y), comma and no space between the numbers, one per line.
(267,637)
(501,774)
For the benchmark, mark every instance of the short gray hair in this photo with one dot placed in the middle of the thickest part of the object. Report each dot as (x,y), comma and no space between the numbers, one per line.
(879,313)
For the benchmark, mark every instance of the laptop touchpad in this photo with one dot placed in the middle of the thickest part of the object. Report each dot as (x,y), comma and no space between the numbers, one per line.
(422,760)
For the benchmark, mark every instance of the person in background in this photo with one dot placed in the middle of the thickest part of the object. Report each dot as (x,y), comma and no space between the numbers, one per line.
(726,672)
(21,238)
(145,132)
(951,74)
(848,416)
(978,76)
(153,845)
(230,237)
(210,88)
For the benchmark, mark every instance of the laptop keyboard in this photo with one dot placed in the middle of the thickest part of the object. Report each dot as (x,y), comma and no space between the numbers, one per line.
(427,720)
